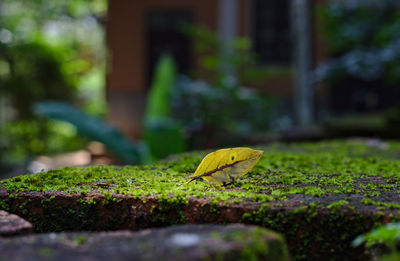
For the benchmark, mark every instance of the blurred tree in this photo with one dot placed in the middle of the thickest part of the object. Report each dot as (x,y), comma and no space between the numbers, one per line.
(220,115)
(48,50)
(238,58)
(35,73)
(363,42)
(49,42)
(363,37)
(221,112)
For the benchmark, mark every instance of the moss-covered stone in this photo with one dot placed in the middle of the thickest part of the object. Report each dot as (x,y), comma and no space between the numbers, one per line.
(185,242)
(320,195)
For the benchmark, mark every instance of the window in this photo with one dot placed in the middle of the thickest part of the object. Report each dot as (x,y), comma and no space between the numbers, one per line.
(271,32)
(165,36)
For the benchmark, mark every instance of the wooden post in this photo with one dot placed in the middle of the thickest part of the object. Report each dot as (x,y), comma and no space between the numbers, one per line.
(304,91)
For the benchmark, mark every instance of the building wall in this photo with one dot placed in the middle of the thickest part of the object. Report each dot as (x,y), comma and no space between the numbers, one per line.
(127,68)
(127,61)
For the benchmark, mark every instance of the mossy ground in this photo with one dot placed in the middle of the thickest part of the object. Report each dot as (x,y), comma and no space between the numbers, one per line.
(315,169)
(316,194)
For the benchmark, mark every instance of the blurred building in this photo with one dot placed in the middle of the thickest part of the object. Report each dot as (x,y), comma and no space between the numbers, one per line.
(139,31)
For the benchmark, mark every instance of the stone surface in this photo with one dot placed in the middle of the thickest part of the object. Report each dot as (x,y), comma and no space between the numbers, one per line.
(185,242)
(320,196)
(11,225)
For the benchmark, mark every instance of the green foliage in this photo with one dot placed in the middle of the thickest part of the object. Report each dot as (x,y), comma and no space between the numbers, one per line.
(162,133)
(35,72)
(220,115)
(158,105)
(387,235)
(48,51)
(262,74)
(221,112)
(164,137)
(363,37)
(236,56)
(95,129)
(50,48)
(28,138)
(359,24)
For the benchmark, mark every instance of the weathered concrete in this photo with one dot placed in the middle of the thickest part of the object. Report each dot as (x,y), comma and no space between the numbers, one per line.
(186,242)
(11,225)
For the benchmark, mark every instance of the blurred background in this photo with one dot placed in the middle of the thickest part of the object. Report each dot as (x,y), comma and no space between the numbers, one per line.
(131,82)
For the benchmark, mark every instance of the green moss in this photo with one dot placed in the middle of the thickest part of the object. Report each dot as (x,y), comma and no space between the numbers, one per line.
(4,205)
(314,171)
(46,252)
(170,211)
(389,205)
(80,240)
(304,229)
(260,244)
(338,204)
(23,206)
(309,168)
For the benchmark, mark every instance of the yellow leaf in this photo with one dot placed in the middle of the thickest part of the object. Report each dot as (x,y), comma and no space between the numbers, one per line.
(224,166)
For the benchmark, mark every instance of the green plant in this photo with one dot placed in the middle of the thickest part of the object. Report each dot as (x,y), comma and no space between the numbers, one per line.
(363,40)
(236,57)
(220,111)
(158,105)
(220,115)
(44,56)
(93,128)
(388,236)
(163,134)
(28,138)
(34,73)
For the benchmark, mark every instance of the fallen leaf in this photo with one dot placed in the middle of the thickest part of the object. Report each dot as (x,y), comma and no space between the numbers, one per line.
(224,166)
